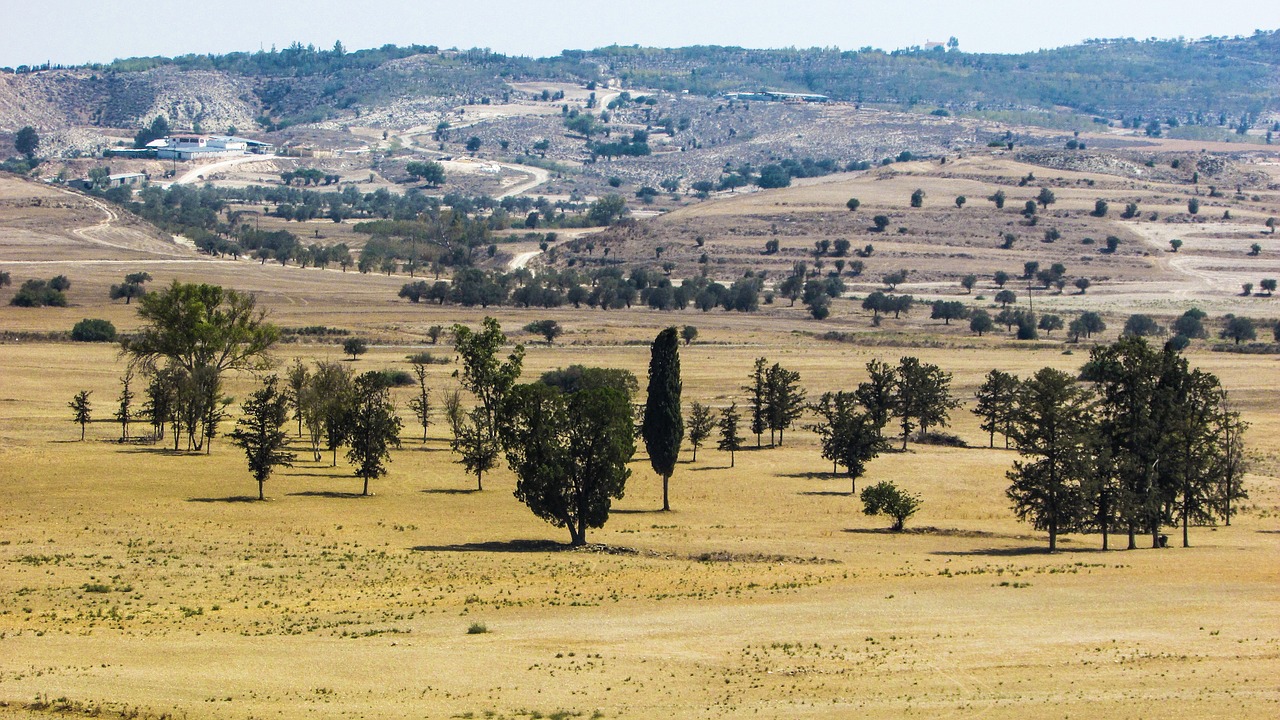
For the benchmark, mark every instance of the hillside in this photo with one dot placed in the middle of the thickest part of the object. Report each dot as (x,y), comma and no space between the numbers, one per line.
(1215,82)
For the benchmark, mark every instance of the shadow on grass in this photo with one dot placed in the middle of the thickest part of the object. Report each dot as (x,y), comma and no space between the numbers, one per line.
(813,476)
(229,499)
(708,468)
(329,494)
(827,493)
(637,511)
(332,474)
(498,546)
(451,491)
(166,452)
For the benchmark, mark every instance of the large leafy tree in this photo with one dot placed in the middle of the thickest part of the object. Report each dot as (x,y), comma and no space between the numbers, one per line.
(373,427)
(489,380)
(996,399)
(922,396)
(848,434)
(758,390)
(1052,427)
(261,432)
(569,453)
(197,325)
(663,426)
(26,141)
(784,400)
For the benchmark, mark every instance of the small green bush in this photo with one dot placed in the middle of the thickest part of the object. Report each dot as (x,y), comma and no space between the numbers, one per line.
(93,330)
(477,628)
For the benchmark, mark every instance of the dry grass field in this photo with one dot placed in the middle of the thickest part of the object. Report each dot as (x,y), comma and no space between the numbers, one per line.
(139,582)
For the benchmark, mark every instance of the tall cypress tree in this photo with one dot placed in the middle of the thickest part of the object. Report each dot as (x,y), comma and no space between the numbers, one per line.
(663,427)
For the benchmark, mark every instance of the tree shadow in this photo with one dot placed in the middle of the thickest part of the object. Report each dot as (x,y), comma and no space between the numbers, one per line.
(163,451)
(331,474)
(329,494)
(450,491)
(637,511)
(228,499)
(813,476)
(826,493)
(1014,551)
(498,546)
(708,468)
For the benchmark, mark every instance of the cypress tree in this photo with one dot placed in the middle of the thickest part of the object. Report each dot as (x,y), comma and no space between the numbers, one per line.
(663,427)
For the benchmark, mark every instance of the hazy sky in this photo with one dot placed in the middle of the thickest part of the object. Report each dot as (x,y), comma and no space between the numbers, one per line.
(79,31)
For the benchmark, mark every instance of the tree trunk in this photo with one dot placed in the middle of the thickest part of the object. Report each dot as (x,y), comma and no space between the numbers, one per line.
(1053,537)
(260,484)
(366,487)
(577,535)
(480,481)
(730,458)
(335,456)
(666,504)
(695,453)
(1133,537)
(853,484)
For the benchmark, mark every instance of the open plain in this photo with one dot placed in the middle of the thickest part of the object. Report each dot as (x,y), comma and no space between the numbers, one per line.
(140,582)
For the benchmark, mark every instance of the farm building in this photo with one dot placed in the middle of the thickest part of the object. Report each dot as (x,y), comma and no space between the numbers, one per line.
(200,147)
(119,180)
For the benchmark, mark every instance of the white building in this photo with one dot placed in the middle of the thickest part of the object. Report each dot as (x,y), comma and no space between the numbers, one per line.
(201,147)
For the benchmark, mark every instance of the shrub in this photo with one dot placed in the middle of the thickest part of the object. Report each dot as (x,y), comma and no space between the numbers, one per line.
(397,378)
(93,330)
(477,628)
(884,498)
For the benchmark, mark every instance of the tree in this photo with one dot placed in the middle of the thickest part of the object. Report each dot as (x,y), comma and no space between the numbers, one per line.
(960,201)
(260,432)
(701,422)
(93,330)
(1092,323)
(663,426)
(1000,277)
(131,288)
(853,204)
(298,378)
(355,347)
(26,142)
(1238,329)
(197,326)
(420,403)
(1082,284)
(893,279)
(1268,286)
(996,402)
(917,198)
(82,410)
(1140,325)
(688,333)
(998,198)
(1052,425)
(431,173)
(884,498)
(1006,298)
(1049,322)
(783,400)
(1246,289)
(569,453)
(1193,206)
(473,144)
(1046,197)
(948,310)
(968,282)
(980,322)
(201,331)
(921,396)
(607,210)
(1175,244)
(489,380)
(372,427)
(881,222)
(758,390)
(124,410)
(728,426)
(849,436)
(1100,208)
(1190,325)
(548,329)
